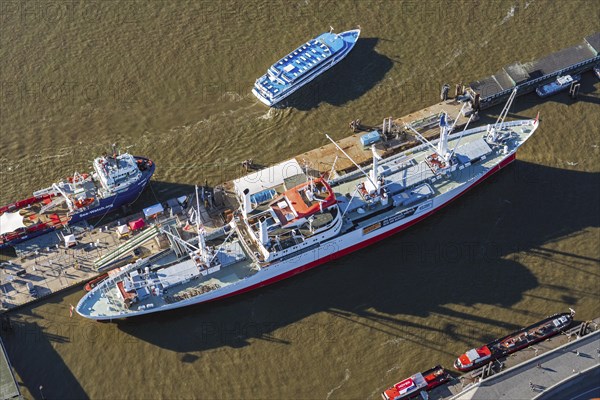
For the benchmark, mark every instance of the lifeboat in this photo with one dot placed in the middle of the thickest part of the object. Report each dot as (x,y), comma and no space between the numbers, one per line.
(84,202)
(94,282)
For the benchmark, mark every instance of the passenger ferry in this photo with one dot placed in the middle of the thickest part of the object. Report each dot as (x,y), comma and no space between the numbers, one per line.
(115,181)
(289,221)
(303,65)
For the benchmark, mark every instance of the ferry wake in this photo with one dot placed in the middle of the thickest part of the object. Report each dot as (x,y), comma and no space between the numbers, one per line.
(302,221)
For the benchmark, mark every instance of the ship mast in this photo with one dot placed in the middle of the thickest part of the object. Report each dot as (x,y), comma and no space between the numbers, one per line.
(201,239)
(492,131)
(353,162)
(502,116)
(423,140)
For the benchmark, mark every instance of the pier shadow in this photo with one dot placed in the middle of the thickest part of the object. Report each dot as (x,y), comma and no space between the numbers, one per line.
(458,256)
(352,77)
(31,349)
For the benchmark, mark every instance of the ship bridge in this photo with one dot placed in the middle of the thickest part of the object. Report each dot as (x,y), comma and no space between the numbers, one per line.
(303,201)
(116,172)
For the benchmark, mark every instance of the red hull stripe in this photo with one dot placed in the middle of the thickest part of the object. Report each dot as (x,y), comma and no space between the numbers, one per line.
(365,243)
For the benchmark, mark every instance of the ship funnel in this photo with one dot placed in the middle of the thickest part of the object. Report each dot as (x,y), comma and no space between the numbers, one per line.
(247,203)
(264,236)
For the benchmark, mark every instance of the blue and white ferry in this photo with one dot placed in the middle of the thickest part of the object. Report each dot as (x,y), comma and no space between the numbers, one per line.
(303,65)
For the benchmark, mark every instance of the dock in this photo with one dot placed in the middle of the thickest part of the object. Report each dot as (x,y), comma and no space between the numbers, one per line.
(9,388)
(526,77)
(395,138)
(45,265)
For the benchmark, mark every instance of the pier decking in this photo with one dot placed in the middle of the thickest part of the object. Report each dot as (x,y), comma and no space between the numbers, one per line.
(326,157)
(45,266)
(526,77)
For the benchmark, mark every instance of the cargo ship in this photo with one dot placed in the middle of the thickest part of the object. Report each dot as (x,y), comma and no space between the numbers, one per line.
(411,387)
(115,181)
(515,341)
(287,220)
(303,65)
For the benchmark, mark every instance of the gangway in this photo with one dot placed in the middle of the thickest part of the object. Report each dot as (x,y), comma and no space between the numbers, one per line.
(118,253)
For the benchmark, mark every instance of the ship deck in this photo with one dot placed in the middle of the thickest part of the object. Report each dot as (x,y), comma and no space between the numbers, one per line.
(236,266)
(415,173)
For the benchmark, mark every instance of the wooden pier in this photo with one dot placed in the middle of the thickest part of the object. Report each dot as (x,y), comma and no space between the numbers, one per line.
(325,158)
(45,266)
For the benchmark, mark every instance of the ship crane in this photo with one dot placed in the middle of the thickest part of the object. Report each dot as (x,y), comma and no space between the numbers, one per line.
(492,131)
(67,199)
(353,162)
(373,185)
(201,241)
(442,148)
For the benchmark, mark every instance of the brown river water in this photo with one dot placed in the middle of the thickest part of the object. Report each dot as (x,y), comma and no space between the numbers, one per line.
(172,80)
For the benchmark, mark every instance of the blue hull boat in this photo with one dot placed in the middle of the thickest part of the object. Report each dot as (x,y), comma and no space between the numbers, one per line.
(561,83)
(114,182)
(303,65)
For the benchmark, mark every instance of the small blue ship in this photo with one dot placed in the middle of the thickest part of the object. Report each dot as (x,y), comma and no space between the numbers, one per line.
(115,181)
(561,83)
(303,65)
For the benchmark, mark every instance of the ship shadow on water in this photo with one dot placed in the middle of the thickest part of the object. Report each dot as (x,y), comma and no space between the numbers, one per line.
(467,254)
(348,80)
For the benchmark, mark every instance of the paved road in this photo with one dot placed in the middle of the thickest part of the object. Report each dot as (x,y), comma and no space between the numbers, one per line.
(584,387)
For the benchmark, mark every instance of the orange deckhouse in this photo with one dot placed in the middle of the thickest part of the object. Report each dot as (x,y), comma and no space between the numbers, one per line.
(303,201)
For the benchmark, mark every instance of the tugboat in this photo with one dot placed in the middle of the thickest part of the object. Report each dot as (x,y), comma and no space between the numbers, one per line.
(419,382)
(116,180)
(516,341)
(561,83)
(303,65)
